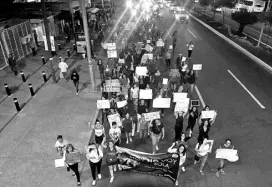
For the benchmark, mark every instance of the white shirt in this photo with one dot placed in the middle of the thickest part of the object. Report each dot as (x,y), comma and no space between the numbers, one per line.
(61,145)
(93,155)
(203,149)
(115,133)
(190,47)
(135,92)
(63,66)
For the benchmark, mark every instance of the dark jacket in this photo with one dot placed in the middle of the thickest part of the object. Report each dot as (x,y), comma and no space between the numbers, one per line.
(75,77)
(12,61)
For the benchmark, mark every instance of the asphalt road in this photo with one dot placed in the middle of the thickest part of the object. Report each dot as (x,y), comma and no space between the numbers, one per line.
(249,30)
(240,117)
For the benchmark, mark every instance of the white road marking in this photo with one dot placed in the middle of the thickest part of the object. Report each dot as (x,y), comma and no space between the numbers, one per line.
(192,33)
(200,97)
(253,97)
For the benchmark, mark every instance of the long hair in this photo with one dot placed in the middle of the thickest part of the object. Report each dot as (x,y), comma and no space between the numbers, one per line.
(68,146)
(184,149)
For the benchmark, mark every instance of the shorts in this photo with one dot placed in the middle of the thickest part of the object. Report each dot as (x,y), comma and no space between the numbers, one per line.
(99,139)
(112,163)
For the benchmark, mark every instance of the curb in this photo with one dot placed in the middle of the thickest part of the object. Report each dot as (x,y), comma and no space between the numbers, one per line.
(241,49)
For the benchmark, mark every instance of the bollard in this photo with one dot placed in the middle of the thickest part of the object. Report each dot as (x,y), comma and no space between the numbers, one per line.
(32,93)
(74,46)
(17,106)
(68,53)
(43,60)
(44,76)
(23,76)
(59,46)
(7,89)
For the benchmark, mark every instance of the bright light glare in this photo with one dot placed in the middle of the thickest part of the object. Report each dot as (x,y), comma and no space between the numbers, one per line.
(137,6)
(129,4)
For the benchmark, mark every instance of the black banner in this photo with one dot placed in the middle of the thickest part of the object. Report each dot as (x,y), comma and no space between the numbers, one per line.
(164,164)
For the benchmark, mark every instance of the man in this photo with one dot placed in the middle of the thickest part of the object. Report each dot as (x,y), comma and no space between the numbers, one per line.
(60,145)
(12,64)
(63,69)
(179,61)
(33,47)
(36,37)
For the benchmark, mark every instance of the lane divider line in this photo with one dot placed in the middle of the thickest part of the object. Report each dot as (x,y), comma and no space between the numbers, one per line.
(191,33)
(253,97)
(200,96)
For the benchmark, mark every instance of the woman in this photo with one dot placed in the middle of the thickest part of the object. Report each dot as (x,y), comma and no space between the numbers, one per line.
(148,101)
(128,126)
(226,145)
(156,130)
(101,68)
(142,107)
(191,78)
(178,125)
(183,140)
(190,49)
(95,155)
(211,120)
(73,165)
(115,134)
(75,79)
(111,159)
(168,58)
(157,79)
(99,132)
(204,130)
(174,77)
(134,94)
(192,119)
(124,81)
(202,150)
(142,127)
(142,82)
(181,150)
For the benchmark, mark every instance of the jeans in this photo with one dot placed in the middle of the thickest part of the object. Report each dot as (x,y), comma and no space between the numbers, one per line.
(155,141)
(203,160)
(74,168)
(143,133)
(14,69)
(76,83)
(95,166)
(190,53)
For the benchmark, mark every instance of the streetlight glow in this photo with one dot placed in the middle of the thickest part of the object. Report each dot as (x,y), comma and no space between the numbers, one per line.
(129,4)
(133,12)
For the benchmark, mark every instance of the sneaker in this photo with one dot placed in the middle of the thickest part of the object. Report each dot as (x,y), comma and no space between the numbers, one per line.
(79,184)
(130,139)
(111,179)
(176,183)
(201,172)
(190,133)
(94,183)
(114,168)
(195,162)
(99,176)
(127,141)
(217,174)
(157,148)
(183,169)
(77,93)
(73,174)
(222,172)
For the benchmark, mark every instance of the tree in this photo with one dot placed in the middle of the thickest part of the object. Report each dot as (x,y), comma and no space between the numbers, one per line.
(204,3)
(224,4)
(266,18)
(244,18)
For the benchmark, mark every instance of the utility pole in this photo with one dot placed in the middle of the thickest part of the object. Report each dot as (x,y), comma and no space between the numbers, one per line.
(87,38)
(47,33)
(264,24)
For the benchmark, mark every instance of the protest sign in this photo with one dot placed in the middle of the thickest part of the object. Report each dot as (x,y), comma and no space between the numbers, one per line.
(159,43)
(148,41)
(197,66)
(208,114)
(121,61)
(228,154)
(151,116)
(112,85)
(195,103)
(164,81)
(141,70)
(101,104)
(170,46)
(109,46)
(184,68)
(144,59)
(146,94)
(72,157)
(181,107)
(179,97)
(148,48)
(161,103)
(59,163)
(112,53)
(210,143)
(116,118)
(149,56)
(163,164)
(183,59)
(121,104)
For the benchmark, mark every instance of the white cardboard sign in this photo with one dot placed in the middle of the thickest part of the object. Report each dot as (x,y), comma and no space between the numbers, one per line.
(101,104)
(151,116)
(208,114)
(197,67)
(179,97)
(141,70)
(121,104)
(116,118)
(161,103)
(165,81)
(146,94)
(228,154)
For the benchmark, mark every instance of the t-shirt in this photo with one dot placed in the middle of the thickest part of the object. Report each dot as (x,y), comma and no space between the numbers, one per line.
(62,144)
(143,124)
(190,47)
(98,130)
(135,92)
(157,129)
(63,66)
(115,132)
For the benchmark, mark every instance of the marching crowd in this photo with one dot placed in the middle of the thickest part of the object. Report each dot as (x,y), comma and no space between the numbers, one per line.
(131,54)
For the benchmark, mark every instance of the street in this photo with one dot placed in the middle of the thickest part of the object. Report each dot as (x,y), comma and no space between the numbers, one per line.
(230,83)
